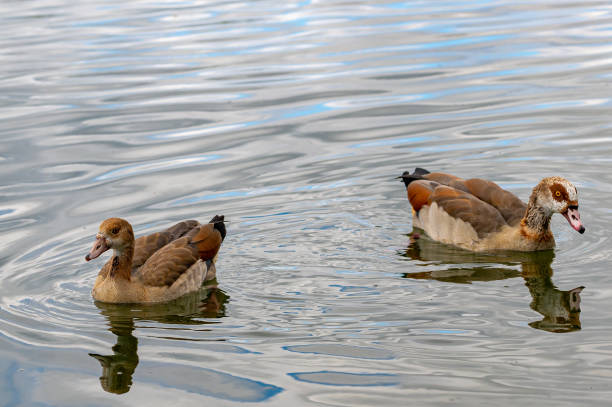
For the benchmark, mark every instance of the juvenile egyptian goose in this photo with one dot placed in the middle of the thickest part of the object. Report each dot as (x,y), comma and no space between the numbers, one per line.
(478,215)
(158,267)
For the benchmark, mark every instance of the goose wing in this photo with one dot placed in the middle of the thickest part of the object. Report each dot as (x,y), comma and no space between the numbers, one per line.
(146,246)
(482,216)
(167,264)
(510,207)
(508,204)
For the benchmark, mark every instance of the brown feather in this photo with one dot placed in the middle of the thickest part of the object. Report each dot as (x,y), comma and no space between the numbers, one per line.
(447,179)
(167,264)
(149,244)
(419,193)
(509,206)
(207,241)
(106,268)
(483,217)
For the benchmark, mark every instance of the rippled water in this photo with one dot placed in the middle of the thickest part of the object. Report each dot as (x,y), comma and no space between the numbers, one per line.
(293,119)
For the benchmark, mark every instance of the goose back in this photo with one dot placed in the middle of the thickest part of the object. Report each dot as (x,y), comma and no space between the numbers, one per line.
(166,265)
(483,204)
(146,246)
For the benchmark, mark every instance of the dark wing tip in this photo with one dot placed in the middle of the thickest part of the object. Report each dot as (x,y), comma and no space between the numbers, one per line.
(418,173)
(218,223)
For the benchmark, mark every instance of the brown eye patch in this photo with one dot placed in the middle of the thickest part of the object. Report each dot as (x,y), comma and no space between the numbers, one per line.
(115,230)
(559,192)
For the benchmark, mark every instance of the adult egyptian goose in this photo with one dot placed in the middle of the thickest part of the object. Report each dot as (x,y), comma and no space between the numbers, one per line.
(158,267)
(478,215)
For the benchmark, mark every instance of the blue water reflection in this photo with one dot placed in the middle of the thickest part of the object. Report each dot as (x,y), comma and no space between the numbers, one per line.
(146,168)
(330,349)
(334,378)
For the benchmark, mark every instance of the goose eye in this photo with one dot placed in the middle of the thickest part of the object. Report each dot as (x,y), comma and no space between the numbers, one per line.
(115,230)
(558,193)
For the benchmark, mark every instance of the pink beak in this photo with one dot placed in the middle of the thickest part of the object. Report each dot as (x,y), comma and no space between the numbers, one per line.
(573,217)
(99,247)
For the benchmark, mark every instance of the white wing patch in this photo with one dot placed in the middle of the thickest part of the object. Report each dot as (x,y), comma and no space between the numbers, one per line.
(442,227)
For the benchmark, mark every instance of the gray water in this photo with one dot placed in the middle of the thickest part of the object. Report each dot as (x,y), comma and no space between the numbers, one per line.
(292,119)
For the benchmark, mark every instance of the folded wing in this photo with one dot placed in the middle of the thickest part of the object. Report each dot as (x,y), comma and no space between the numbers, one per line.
(483,204)
(167,264)
(145,246)
(509,205)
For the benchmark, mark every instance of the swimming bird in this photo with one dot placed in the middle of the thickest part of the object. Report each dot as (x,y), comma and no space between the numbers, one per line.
(158,267)
(479,215)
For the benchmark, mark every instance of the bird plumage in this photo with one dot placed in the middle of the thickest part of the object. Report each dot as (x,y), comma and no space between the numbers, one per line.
(158,267)
(478,215)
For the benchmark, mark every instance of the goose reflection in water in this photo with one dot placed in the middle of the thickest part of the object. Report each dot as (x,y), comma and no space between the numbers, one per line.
(561,309)
(118,368)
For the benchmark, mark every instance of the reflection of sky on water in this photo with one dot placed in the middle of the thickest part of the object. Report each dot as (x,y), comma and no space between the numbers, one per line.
(331,349)
(333,378)
(208,382)
(258,192)
(179,382)
(147,168)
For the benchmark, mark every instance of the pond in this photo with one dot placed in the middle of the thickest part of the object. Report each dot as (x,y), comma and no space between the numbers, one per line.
(293,120)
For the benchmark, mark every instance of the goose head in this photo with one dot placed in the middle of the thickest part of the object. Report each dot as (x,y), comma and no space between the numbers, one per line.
(558,195)
(114,233)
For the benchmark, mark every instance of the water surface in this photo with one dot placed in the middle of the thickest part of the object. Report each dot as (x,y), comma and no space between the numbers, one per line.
(292,120)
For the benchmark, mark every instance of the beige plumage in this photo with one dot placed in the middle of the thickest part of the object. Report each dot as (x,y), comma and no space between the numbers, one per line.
(157,267)
(478,215)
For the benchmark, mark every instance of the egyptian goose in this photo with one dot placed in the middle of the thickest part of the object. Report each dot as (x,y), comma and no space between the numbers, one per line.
(478,215)
(158,267)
